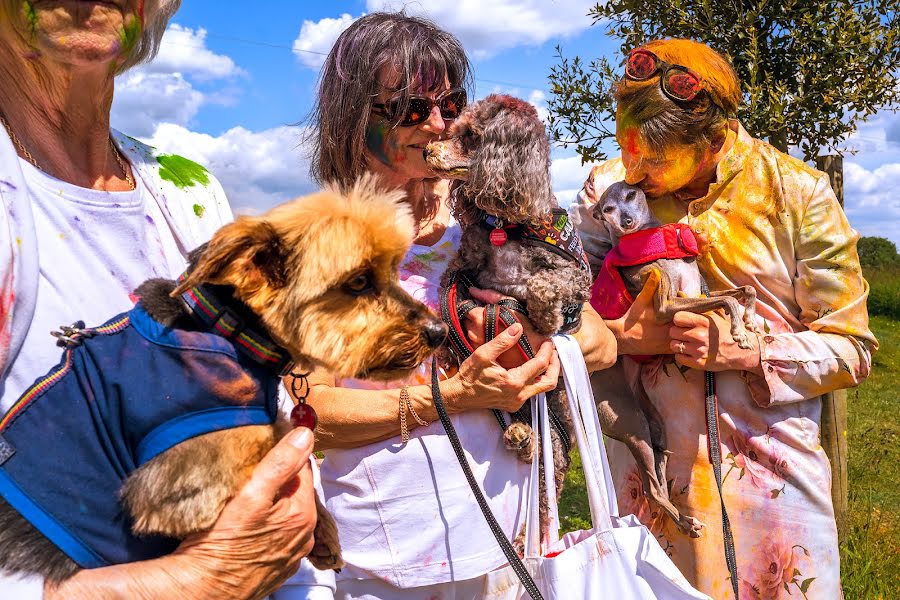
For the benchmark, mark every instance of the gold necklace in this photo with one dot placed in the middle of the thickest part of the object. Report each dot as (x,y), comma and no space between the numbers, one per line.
(28,156)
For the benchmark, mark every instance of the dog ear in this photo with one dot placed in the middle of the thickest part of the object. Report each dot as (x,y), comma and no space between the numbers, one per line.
(247,254)
(510,176)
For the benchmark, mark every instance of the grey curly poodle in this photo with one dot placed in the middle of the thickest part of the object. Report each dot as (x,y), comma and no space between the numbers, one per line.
(516,240)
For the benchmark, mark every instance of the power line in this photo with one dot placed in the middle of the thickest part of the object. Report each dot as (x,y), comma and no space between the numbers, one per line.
(294,49)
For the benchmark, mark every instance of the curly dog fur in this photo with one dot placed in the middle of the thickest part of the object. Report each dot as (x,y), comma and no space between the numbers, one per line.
(498,155)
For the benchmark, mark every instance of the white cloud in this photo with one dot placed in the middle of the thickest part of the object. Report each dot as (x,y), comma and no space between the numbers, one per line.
(143,100)
(485,27)
(871,201)
(568,175)
(184,50)
(163,91)
(317,37)
(257,169)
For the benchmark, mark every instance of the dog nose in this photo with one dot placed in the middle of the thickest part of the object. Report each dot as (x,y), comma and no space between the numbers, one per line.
(627,222)
(435,333)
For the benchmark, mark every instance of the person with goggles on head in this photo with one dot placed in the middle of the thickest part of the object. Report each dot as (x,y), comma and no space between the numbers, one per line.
(766,220)
(409,526)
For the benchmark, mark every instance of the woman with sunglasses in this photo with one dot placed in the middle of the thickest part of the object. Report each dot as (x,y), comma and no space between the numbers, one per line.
(766,220)
(409,526)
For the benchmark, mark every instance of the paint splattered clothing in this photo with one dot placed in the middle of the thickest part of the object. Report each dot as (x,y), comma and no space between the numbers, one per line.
(772,222)
(47,278)
(95,248)
(405,512)
(185,205)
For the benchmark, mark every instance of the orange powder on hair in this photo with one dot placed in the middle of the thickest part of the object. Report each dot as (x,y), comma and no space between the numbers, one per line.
(717,73)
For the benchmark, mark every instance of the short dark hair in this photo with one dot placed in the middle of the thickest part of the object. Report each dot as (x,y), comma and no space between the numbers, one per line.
(415,47)
(664,121)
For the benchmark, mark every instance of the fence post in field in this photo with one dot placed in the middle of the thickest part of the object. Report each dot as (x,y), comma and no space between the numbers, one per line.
(834,404)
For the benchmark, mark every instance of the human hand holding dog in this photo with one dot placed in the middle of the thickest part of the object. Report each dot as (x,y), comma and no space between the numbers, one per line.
(264,531)
(475,328)
(637,331)
(482,382)
(255,545)
(703,341)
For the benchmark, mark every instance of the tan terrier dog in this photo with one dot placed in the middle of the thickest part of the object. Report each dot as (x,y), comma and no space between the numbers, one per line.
(312,282)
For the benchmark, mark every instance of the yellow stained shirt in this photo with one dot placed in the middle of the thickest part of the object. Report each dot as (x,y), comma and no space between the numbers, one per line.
(772,222)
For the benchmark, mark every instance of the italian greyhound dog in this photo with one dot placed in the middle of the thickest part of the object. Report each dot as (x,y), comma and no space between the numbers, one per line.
(626,412)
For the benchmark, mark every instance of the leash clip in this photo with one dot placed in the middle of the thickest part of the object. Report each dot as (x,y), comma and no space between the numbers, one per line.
(72,335)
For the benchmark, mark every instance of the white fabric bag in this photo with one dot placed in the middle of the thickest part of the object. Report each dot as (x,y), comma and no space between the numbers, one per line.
(619,558)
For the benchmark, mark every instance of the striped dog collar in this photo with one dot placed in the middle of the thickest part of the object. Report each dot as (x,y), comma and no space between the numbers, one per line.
(216,315)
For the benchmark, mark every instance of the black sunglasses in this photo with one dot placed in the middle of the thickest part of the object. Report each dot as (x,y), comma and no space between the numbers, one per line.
(451,103)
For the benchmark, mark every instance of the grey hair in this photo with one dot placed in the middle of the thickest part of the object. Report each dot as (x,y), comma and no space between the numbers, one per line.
(157,14)
(422,54)
(509,176)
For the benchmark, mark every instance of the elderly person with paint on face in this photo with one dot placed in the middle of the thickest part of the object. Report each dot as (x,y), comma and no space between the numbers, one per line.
(769,221)
(409,525)
(87,214)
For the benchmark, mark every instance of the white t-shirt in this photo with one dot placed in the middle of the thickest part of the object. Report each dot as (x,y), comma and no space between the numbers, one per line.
(405,512)
(96,247)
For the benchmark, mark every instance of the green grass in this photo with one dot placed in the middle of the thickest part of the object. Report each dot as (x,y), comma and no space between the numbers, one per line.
(870,558)
(884,295)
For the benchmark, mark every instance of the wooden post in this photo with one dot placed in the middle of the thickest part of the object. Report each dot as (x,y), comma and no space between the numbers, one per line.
(834,405)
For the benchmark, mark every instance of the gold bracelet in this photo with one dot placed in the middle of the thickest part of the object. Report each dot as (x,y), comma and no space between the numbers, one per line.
(406,404)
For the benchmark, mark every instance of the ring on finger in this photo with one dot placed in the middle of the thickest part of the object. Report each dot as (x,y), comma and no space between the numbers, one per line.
(679,348)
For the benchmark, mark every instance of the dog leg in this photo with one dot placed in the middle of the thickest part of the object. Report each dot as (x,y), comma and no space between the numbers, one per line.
(183,490)
(326,552)
(25,550)
(669,306)
(746,296)
(623,419)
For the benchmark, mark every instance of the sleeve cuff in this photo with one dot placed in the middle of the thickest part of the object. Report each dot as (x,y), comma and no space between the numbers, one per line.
(775,384)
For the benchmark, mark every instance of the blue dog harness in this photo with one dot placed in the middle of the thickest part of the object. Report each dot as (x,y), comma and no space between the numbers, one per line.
(124,393)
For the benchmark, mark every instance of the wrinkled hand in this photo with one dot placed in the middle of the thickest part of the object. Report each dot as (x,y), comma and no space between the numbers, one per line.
(265,530)
(474,326)
(704,342)
(637,331)
(482,382)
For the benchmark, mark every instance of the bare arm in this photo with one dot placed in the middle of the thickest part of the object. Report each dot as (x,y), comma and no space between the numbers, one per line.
(597,342)
(351,418)
(255,545)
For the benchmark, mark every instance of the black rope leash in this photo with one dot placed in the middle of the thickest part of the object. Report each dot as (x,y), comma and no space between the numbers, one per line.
(514,561)
(715,457)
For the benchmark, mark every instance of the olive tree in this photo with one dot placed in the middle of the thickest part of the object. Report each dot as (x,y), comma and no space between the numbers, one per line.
(810,69)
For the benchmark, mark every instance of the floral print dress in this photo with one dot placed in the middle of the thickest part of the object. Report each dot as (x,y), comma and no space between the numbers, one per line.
(772,222)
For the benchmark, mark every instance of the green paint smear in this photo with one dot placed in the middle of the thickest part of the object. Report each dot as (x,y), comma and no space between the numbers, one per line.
(199,210)
(130,35)
(30,17)
(182,172)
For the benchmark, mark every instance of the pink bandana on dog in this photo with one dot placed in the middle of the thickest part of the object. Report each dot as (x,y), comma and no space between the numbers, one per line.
(609,297)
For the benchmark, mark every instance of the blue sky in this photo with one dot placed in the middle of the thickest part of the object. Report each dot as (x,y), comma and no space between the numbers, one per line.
(232,83)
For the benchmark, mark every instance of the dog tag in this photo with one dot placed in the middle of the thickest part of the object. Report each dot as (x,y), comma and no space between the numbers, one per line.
(498,237)
(303,415)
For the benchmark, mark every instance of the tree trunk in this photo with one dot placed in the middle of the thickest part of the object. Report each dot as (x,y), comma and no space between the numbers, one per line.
(834,405)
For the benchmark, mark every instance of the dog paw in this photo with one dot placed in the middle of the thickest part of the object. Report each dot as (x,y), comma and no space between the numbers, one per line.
(520,438)
(518,544)
(742,339)
(324,557)
(690,526)
(326,551)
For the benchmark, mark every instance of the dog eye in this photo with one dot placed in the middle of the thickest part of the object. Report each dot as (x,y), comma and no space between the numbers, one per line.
(359,285)
(608,209)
